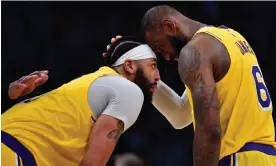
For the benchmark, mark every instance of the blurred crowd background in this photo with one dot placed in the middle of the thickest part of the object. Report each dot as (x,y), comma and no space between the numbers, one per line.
(68,38)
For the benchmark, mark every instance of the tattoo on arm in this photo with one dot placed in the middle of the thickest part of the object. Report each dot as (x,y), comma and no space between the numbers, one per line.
(204,101)
(206,151)
(192,70)
(116,133)
(189,65)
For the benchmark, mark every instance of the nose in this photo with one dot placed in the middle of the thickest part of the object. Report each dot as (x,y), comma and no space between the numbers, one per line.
(157,75)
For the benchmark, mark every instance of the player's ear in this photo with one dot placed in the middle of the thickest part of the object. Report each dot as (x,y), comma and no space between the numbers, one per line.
(130,67)
(169,27)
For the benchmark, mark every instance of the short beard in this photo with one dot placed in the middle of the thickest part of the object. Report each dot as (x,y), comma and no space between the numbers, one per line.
(178,43)
(144,85)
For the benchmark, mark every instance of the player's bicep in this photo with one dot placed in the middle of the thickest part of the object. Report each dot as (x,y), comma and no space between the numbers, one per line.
(196,71)
(117,97)
(126,103)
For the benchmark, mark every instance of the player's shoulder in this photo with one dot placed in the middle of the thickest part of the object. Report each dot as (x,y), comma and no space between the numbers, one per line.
(205,45)
(205,41)
(201,46)
(119,85)
(209,51)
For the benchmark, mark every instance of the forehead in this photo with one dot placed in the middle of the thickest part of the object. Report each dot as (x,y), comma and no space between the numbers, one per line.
(154,37)
(149,36)
(148,60)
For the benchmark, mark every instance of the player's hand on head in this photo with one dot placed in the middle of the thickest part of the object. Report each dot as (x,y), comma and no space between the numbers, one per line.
(27,84)
(113,40)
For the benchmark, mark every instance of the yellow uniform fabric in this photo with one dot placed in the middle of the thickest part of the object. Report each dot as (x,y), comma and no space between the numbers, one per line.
(55,126)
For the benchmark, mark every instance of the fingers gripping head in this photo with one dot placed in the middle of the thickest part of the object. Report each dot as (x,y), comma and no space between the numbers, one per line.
(118,48)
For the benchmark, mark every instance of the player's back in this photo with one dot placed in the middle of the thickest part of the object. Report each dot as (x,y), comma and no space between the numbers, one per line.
(245,104)
(55,126)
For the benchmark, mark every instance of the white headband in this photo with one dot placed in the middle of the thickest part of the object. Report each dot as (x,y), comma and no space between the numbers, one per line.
(140,52)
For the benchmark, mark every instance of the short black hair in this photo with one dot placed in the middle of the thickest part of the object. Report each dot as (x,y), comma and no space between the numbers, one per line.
(120,47)
(155,16)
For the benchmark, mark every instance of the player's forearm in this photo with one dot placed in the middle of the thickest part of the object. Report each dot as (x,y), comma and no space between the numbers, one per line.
(206,147)
(165,91)
(102,141)
(99,153)
(207,137)
(176,109)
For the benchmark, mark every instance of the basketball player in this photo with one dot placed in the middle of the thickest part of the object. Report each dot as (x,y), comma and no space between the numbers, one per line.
(231,104)
(80,122)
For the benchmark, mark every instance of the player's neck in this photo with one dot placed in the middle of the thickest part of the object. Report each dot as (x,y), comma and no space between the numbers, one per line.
(189,27)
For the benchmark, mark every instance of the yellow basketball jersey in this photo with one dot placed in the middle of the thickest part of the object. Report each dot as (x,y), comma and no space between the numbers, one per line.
(245,104)
(55,126)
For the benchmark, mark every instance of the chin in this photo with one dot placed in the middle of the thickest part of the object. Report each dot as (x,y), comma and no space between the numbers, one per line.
(147,95)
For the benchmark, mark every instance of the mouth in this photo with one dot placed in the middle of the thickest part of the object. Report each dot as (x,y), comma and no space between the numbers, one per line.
(153,88)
